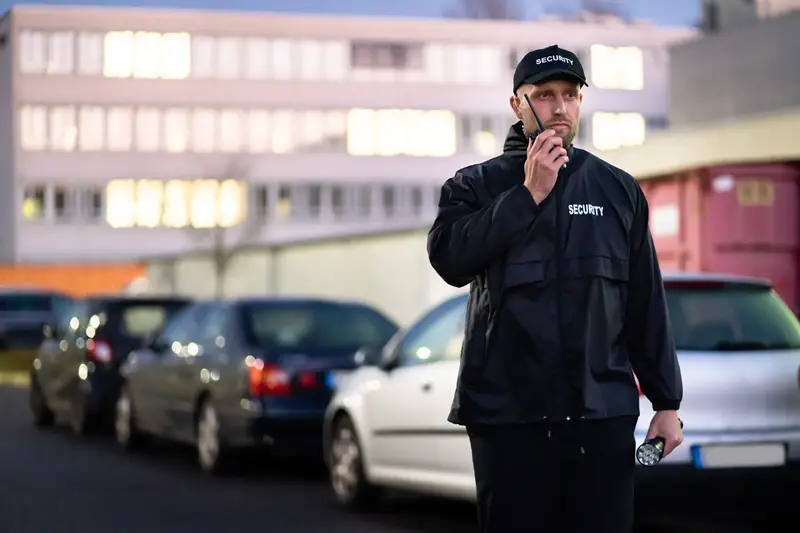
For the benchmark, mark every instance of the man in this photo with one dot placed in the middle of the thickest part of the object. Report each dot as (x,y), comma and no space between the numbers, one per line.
(566,303)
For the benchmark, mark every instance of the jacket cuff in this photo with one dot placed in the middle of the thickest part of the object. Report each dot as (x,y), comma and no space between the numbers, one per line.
(666,405)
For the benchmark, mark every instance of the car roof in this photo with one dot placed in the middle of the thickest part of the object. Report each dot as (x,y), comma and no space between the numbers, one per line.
(669,276)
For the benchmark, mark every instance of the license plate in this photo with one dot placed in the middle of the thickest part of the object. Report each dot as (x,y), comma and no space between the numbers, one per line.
(334,379)
(739,455)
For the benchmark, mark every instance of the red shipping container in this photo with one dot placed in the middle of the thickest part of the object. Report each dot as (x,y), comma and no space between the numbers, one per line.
(737,219)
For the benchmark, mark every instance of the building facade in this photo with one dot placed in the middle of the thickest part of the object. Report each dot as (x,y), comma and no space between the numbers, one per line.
(735,72)
(130,132)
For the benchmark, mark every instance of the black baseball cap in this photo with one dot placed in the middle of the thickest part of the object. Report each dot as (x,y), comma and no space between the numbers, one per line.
(544,63)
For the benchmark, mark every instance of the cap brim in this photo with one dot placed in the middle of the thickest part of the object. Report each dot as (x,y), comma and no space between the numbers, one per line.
(553,73)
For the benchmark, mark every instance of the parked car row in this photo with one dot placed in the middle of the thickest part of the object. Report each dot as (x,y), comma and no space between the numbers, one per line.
(339,381)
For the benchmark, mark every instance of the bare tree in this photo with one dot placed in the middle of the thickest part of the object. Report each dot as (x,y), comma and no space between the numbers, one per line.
(224,241)
(487,9)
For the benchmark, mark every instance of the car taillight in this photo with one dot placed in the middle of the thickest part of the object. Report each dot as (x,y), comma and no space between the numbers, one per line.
(99,351)
(268,380)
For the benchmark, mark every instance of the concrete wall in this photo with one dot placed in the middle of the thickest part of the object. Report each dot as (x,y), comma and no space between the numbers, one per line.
(390,271)
(750,70)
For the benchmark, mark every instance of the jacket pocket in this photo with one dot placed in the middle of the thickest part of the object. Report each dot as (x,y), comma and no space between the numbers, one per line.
(597,267)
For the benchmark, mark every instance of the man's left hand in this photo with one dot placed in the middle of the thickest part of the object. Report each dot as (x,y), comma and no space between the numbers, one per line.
(667,425)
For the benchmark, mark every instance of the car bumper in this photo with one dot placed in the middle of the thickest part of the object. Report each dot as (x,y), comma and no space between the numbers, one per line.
(299,432)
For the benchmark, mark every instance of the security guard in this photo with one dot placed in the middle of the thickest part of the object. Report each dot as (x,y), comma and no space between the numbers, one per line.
(566,303)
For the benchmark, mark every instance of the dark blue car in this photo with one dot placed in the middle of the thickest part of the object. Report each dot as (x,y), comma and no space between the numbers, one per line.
(232,375)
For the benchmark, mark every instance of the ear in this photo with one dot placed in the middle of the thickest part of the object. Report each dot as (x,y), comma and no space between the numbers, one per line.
(515,103)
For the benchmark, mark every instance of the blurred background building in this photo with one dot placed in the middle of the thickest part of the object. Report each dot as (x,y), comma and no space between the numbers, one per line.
(124,127)
(723,179)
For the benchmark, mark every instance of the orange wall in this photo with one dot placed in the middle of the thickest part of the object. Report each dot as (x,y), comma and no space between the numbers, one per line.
(74,279)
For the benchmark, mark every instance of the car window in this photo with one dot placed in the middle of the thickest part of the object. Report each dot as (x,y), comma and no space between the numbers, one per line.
(437,337)
(725,317)
(25,302)
(214,328)
(177,332)
(140,319)
(309,326)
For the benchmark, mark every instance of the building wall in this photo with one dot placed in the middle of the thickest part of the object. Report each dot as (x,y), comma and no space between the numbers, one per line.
(751,70)
(9,209)
(390,271)
(75,166)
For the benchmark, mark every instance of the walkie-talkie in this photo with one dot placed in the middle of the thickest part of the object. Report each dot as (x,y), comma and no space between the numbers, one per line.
(651,451)
(532,136)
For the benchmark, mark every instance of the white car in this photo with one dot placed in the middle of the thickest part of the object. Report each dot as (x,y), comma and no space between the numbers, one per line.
(739,349)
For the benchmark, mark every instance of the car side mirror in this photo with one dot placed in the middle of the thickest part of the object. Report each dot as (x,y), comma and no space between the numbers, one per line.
(49,331)
(389,360)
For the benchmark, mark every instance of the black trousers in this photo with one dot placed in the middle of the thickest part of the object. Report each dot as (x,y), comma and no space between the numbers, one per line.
(565,477)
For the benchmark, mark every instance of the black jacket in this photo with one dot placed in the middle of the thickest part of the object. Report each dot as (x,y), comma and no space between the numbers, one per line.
(566,297)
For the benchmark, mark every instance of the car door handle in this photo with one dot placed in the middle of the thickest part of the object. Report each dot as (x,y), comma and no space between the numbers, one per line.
(427,386)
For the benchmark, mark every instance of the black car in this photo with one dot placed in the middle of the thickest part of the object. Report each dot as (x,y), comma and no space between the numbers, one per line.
(23,313)
(246,373)
(76,371)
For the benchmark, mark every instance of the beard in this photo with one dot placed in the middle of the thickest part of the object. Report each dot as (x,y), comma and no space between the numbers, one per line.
(567,138)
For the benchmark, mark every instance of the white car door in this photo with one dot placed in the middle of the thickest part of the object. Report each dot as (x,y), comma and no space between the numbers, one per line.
(407,409)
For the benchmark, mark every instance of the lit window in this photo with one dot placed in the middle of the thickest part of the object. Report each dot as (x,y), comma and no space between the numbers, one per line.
(119,129)
(310,60)
(228,55)
(148,129)
(32,52)
(121,203)
(33,203)
(176,56)
(231,200)
(90,53)
(203,210)
(118,57)
(486,64)
(401,132)
(485,143)
(335,60)
(258,131)
(282,59)
(146,54)
(63,129)
(61,53)
(204,127)
(282,141)
(310,128)
(91,128)
(176,204)
(614,130)
(619,67)
(230,130)
(176,130)
(33,127)
(149,203)
(257,59)
(203,57)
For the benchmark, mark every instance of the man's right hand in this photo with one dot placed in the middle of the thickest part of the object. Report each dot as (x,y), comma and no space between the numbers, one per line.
(546,155)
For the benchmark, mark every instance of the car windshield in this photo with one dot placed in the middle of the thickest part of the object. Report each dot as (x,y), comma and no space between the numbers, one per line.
(282,326)
(729,317)
(26,302)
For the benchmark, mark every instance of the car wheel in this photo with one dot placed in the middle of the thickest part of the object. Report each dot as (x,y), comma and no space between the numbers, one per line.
(42,415)
(346,469)
(126,430)
(210,453)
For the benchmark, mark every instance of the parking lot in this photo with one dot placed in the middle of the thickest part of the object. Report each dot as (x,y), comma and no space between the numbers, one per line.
(54,482)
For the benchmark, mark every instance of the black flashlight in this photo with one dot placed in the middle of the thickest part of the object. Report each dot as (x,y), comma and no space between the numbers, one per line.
(650,452)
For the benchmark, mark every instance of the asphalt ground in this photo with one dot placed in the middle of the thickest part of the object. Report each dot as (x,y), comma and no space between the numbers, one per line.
(54,482)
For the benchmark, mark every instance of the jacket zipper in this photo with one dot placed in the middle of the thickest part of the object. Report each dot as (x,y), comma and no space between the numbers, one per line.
(559,280)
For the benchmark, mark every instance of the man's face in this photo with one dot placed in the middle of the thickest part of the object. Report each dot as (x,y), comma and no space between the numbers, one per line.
(558,104)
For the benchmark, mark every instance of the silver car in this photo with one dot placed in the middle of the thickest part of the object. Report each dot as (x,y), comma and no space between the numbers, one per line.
(739,349)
